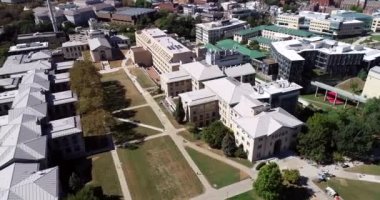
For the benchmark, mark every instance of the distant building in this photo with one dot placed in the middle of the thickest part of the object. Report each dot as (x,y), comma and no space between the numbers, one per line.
(335,58)
(244,108)
(126,15)
(28,47)
(74,49)
(79,16)
(371,7)
(375,24)
(100,49)
(212,32)
(120,41)
(49,37)
(289,20)
(371,86)
(166,52)
(321,2)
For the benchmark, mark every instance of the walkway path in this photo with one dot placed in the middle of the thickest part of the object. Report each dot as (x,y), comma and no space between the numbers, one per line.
(140,124)
(228,191)
(149,138)
(170,129)
(121,176)
(131,108)
(105,71)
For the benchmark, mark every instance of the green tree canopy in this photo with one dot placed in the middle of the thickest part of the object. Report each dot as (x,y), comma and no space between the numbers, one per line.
(214,134)
(228,144)
(179,112)
(317,143)
(291,176)
(268,184)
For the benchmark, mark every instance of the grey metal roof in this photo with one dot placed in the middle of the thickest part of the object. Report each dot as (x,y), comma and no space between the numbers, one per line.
(130,11)
(202,71)
(23,181)
(65,126)
(95,43)
(239,70)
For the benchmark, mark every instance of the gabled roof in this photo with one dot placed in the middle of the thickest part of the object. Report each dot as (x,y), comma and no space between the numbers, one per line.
(24,182)
(239,70)
(95,43)
(245,106)
(228,89)
(268,122)
(202,71)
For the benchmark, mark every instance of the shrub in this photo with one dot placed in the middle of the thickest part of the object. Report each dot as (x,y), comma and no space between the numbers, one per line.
(240,153)
(260,165)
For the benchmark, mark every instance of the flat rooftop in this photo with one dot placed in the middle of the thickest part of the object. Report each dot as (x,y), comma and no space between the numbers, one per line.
(131,11)
(222,24)
(65,126)
(29,46)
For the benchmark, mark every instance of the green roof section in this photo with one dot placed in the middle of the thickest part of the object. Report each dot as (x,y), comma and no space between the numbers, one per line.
(212,47)
(289,31)
(262,40)
(251,30)
(231,44)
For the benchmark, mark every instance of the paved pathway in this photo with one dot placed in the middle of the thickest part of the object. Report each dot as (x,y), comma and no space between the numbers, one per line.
(105,71)
(170,129)
(227,192)
(361,39)
(158,95)
(140,124)
(149,138)
(131,108)
(121,176)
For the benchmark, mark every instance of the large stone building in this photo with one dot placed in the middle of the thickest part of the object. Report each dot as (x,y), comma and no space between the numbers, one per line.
(212,32)
(100,49)
(192,76)
(166,52)
(255,114)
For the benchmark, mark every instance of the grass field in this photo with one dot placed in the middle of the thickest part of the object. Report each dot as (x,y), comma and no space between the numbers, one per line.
(250,195)
(347,85)
(104,174)
(115,63)
(375,37)
(217,173)
(142,78)
(146,115)
(352,189)
(132,94)
(366,169)
(157,170)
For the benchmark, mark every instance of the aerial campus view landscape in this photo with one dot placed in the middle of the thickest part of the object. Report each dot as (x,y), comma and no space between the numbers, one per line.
(202,100)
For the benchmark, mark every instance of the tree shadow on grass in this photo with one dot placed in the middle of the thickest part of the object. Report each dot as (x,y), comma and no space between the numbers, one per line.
(114,96)
(125,114)
(296,192)
(124,132)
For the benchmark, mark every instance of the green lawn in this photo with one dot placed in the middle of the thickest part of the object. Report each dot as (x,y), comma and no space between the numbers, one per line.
(132,94)
(353,189)
(157,170)
(188,136)
(324,105)
(250,195)
(366,169)
(375,37)
(146,115)
(348,85)
(115,63)
(142,78)
(217,173)
(104,174)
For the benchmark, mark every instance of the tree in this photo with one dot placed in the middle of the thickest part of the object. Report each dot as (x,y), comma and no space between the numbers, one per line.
(88,193)
(291,176)
(354,86)
(356,9)
(317,142)
(354,139)
(268,184)
(240,153)
(254,45)
(179,113)
(362,74)
(143,4)
(228,144)
(214,134)
(371,115)
(75,182)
